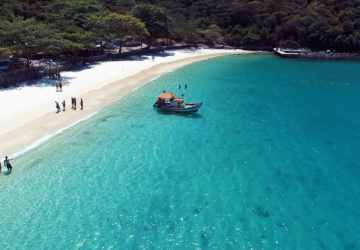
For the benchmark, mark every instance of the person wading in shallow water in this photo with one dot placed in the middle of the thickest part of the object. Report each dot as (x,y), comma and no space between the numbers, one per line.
(7,164)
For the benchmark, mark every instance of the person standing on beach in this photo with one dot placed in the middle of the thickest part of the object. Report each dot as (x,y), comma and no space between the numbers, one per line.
(63,105)
(74,103)
(57,105)
(81,104)
(60,86)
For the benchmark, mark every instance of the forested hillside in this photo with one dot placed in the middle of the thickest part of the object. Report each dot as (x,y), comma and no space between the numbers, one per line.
(68,27)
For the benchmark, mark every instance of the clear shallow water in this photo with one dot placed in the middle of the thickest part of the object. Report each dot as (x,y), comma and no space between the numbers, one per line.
(270,162)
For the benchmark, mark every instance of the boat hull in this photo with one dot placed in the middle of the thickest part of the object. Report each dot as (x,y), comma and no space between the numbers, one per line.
(187,109)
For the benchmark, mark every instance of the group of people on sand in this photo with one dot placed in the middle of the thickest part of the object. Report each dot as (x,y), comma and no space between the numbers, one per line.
(7,164)
(73,105)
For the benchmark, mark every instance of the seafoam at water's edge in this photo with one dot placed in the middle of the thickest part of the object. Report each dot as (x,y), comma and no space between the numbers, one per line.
(48,137)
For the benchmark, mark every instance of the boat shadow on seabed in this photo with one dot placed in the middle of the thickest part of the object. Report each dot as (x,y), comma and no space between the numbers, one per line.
(190,115)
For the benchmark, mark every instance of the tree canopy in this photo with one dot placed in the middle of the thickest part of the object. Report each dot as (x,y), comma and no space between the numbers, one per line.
(28,37)
(67,27)
(114,26)
(155,19)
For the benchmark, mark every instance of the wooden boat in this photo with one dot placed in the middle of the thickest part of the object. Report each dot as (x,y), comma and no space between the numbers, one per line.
(168,102)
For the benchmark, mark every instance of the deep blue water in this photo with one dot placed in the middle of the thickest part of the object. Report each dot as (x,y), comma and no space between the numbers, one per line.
(270,162)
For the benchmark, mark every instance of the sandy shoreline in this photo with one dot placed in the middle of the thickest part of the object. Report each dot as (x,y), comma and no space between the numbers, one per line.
(33,131)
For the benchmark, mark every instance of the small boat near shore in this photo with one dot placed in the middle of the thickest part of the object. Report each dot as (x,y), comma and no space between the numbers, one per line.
(322,55)
(168,102)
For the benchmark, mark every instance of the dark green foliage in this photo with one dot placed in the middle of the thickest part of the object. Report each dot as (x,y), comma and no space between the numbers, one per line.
(28,37)
(114,27)
(67,27)
(120,6)
(326,24)
(155,19)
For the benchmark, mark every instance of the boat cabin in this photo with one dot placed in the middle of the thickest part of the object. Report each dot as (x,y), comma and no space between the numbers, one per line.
(166,97)
(169,98)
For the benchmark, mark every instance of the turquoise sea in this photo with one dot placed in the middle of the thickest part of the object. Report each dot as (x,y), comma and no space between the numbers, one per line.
(270,162)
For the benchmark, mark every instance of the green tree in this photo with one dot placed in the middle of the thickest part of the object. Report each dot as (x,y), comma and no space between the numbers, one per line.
(114,27)
(155,19)
(29,37)
(185,30)
(212,35)
(119,6)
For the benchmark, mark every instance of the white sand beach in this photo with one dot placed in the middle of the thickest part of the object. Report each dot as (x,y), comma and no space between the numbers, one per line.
(28,113)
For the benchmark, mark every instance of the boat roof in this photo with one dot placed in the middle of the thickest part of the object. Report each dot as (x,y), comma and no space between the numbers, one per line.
(166,95)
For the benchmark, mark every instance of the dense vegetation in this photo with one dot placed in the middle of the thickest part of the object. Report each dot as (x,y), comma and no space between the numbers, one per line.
(68,27)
